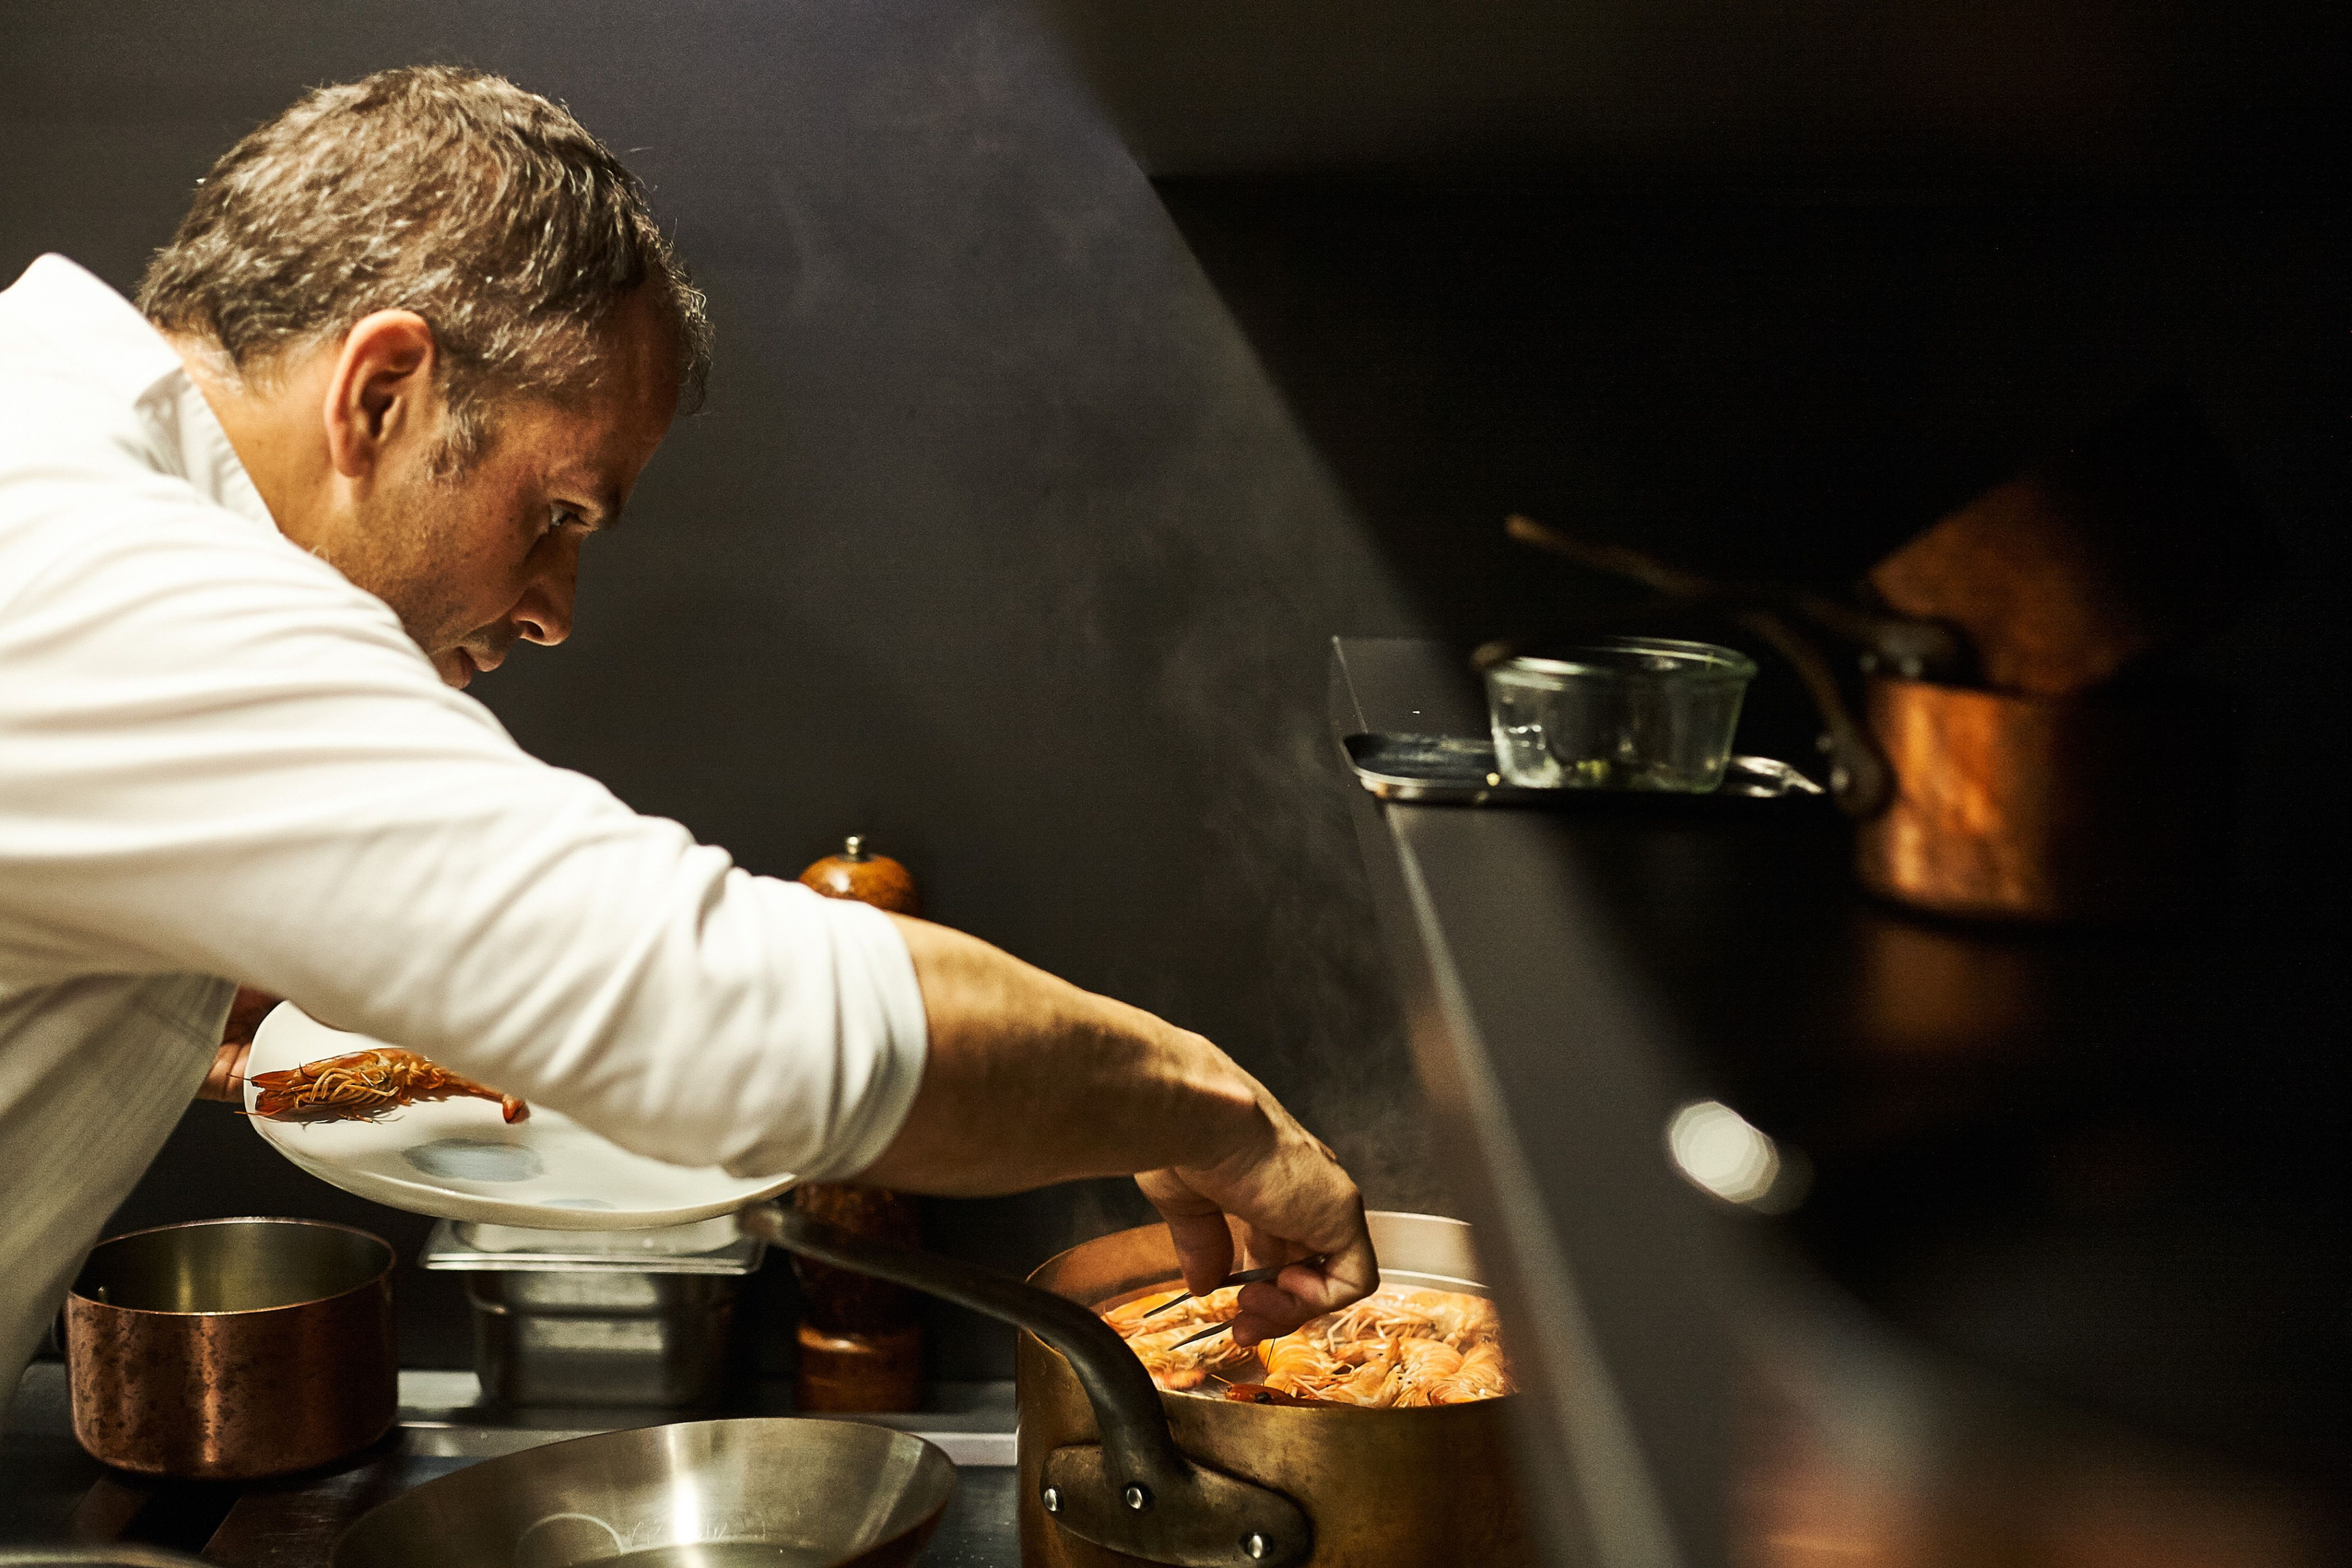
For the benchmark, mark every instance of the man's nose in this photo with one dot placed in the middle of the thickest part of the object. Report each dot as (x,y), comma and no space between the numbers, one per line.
(543,614)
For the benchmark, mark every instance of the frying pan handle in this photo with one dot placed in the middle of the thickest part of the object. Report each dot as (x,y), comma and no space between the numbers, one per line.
(1136,1494)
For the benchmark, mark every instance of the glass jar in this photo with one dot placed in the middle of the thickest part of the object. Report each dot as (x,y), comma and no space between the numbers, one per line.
(1619,712)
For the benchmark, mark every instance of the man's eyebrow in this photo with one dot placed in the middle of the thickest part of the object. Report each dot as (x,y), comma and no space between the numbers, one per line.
(604,513)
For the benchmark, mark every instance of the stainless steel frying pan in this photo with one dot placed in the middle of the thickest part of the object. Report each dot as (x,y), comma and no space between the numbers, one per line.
(751,1493)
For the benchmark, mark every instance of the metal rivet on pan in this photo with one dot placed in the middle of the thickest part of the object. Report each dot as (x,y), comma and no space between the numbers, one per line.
(1136,1496)
(1053,1499)
(1253,1546)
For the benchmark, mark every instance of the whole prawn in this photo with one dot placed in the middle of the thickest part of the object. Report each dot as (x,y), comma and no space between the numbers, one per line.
(1460,1321)
(1296,1363)
(367,1086)
(1128,1316)
(1370,1383)
(1424,1362)
(1484,1375)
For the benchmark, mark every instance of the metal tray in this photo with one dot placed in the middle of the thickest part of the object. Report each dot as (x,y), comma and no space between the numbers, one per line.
(705,1247)
(1460,768)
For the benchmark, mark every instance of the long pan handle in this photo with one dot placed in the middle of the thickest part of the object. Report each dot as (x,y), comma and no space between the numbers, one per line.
(1140,1495)
(1126,1401)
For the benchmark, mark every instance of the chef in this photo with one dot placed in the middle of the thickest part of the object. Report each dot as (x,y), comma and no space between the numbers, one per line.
(401,363)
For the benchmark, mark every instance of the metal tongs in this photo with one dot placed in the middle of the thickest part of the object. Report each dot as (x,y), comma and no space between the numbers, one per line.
(1246,1277)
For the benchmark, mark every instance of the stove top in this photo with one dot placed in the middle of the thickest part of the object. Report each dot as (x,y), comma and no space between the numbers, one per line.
(55,1492)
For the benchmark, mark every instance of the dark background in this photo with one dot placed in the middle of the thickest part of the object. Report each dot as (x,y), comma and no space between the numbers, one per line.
(1033,486)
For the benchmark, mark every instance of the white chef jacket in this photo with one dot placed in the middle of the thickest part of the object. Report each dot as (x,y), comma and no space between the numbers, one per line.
(220,758)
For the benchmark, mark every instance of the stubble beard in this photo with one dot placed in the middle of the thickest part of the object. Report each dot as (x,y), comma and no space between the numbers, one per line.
(406,549)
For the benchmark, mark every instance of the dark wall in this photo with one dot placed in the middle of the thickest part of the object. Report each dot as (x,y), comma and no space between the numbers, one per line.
(1799,93)
(1029,493)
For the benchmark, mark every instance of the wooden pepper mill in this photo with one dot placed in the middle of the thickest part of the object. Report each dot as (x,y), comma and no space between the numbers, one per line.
(861,1347)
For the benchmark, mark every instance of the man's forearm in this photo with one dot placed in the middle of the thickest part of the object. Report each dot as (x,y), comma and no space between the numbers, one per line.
(1031,1080)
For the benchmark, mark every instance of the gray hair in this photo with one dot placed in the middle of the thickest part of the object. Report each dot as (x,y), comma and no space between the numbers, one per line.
(486,209)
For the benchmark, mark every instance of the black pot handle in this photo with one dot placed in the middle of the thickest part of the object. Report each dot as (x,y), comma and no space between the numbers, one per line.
(1137,1493)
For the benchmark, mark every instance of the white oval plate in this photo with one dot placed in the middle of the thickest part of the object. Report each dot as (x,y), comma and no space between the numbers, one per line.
(459,1159)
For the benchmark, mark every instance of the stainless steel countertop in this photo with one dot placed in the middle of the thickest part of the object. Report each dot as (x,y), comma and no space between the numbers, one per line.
(51,1490)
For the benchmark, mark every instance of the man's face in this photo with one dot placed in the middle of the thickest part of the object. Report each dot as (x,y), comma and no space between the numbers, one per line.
(475,562)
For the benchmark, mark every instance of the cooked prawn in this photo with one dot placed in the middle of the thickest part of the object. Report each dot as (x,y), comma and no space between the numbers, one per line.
(1128,1316)
(1395,1347)
(1296,1363)
(1461,1321)
(1369,1383)
(367,1086)
(1484,1375)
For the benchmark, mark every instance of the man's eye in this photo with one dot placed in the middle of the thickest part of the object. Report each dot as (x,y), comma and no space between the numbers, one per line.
(557,516)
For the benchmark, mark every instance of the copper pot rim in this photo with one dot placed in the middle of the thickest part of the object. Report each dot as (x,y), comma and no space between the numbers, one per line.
(1470,1411)
(2099,699)
(381,1276)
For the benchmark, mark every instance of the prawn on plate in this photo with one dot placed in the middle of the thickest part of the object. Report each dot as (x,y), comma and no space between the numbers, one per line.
(367,1086)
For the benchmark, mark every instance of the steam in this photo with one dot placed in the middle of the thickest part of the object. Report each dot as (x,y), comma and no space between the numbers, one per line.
(1240,683)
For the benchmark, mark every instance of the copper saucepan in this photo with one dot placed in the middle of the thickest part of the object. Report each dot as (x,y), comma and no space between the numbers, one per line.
(232,1348)
(1114,1471)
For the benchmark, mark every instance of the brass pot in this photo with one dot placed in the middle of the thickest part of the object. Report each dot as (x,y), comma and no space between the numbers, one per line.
(232,1348)
(1406,1488)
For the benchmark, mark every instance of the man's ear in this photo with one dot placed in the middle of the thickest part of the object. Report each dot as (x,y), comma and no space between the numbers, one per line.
(382,391)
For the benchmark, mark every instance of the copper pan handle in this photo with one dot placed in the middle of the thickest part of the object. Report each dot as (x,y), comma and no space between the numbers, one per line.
(1860,780)
(1137,1492)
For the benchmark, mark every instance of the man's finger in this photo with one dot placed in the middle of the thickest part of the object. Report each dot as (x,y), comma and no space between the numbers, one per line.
(1265,1248)
(246,1011)
(225,1081)
(1204,1245)
(1204,1249)
(1344,1276)
(1265,1311)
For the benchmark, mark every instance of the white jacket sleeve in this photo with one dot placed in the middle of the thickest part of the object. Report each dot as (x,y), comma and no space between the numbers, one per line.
(216,755)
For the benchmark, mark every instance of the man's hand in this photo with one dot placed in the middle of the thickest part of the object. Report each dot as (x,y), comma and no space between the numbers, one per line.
(1030,1080)
(1284,1202)
(226,1080)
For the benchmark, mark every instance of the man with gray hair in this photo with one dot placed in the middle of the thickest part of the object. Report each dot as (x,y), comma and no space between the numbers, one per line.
(410,349)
